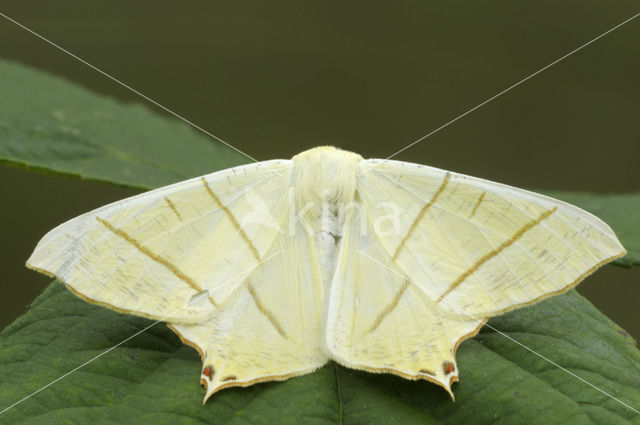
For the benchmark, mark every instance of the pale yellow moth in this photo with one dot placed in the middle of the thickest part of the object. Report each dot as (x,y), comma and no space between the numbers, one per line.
(271,269)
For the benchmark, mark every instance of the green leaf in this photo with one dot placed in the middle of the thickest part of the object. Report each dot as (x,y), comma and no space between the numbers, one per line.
(153,378)
(51,124)
(621,212)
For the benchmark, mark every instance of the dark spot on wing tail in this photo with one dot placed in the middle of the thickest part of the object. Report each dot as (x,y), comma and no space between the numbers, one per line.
(448,367)
(208,371)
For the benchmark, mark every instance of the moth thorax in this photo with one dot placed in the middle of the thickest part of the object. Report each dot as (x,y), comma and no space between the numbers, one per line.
(324,178)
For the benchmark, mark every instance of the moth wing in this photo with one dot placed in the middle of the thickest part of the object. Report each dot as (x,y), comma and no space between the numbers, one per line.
(379,321)
(271,326)
(477,247)
(151,254)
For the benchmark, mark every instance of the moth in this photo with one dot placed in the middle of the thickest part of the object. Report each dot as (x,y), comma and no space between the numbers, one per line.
(269,270)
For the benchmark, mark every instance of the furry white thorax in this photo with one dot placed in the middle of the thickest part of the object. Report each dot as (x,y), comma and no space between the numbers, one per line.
(324,180)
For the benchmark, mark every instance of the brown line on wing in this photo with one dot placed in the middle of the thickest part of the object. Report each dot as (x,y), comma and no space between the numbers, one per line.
(421,214)
(266,312)
(475,208)
(158,259)
(173,208)
(235,223)
(517,235)
(388,309)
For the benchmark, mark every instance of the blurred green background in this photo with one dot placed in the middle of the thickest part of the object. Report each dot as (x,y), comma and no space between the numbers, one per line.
(275,78)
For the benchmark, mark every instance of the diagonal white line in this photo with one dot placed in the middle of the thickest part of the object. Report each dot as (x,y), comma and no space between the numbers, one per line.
(513,86)
(505,335)
(128,87)
(195,298)
(81,366)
